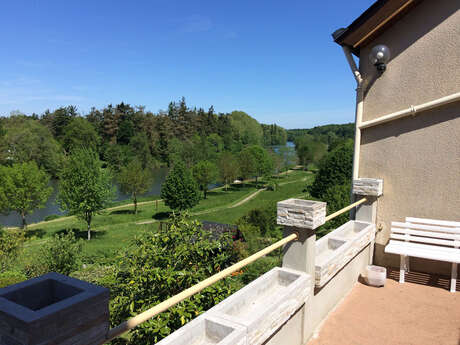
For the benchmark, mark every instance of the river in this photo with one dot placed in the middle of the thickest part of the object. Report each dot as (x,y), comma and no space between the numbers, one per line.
(13,219)
(51,207)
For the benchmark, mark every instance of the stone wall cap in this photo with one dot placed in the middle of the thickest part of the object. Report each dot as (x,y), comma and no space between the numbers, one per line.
(301,203)
(24,314)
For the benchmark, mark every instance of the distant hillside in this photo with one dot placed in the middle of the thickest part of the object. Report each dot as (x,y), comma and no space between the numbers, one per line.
(325,134)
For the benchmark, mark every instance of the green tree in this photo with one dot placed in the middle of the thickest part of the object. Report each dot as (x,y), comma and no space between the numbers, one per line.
(309,150)
(134,180)
(23,188)
(205,173)
(228,168)
(261,161)
(246,128)
(335,169)
(247,163)
(28,140)
(139,145)
(180,190)
(85,188)
(161,263)
(79,133)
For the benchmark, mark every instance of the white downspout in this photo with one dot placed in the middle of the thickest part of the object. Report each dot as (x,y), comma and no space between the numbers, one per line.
(359,110)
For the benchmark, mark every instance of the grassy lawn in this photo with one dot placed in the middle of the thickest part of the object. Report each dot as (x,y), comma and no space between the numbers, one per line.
(113,229)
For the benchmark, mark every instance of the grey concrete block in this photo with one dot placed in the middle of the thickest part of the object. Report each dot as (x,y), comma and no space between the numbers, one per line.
(266,303)
(302,214)
(207,330)
(337,248)
(368,186)
(53,309)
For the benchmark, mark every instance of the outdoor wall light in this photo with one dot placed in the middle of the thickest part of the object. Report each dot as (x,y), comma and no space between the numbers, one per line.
(379,57)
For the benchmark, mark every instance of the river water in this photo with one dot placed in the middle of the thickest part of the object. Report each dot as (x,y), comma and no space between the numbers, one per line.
(51,207)
(13,219)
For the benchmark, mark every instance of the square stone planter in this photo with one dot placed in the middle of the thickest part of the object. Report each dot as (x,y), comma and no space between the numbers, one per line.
(368,186)
(53,309)
(207,330)
(300,213)
(337,248)
(266,303)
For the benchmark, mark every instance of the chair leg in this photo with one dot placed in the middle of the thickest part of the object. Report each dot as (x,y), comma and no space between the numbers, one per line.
(453,280)
(407,264)
(401,268)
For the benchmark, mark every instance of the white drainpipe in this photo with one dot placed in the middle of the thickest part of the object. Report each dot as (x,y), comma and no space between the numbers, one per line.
(359,110)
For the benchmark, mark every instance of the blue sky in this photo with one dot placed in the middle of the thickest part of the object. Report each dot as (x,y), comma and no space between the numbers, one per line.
(274,60)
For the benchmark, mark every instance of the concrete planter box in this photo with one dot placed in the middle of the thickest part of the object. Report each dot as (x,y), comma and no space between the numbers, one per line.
(207,330)
(53,309)
(301,213)
(368,186)
(337,248)
(266,303)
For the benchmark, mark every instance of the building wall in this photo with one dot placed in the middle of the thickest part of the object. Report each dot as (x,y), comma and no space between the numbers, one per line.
(418,157)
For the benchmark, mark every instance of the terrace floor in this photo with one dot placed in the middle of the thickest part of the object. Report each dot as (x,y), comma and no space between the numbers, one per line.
(421,311)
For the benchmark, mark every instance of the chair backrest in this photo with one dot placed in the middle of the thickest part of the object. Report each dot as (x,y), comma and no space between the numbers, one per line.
(428,231)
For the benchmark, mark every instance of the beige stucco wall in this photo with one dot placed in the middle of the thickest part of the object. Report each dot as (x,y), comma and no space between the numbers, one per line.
(418,157)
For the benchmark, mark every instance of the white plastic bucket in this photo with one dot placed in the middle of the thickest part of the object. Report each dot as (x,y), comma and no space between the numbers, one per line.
(376,275)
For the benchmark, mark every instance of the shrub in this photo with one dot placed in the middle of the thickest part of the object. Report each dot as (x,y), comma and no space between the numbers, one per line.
(159,264)
(51,217)
(10,245)
(61,254)
(11,277)
(264,218)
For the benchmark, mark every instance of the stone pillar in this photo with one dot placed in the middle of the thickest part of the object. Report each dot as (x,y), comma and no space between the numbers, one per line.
(372,189)
(53,309)
(302,217)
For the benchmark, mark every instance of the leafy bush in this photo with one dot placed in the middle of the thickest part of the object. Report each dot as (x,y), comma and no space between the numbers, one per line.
(61,254)
(337,197)
(264,218)
(159,264)
(51,217)
(10,245)
(97,274)
(11,277)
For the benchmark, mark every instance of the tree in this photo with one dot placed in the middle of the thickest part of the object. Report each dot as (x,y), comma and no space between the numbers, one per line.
(28,140)
(247,163)
(23,188)
(335,169)
(80,133)
(180,190)
(139,145)
(263,164)
(85,188)
(309,150)
(228,168)
(135,180)
(205,173)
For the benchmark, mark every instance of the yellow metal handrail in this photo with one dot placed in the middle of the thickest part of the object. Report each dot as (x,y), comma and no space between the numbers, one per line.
(161,307)
(345,209)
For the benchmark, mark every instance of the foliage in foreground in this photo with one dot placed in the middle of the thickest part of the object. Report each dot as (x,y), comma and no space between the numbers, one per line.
(333,182)
(160,264)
